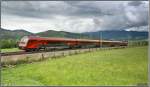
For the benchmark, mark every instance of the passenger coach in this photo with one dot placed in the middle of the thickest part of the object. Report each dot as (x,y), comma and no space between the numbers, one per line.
(36,43)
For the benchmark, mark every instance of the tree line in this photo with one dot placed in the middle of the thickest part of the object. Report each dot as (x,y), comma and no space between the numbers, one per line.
(138,43)
(9,43)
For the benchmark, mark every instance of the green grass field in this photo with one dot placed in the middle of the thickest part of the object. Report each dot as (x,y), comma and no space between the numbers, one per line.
(10,50)
(127,66)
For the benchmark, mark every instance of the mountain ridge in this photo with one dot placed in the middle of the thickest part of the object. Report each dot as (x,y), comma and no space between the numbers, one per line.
(108,35)
(119,35)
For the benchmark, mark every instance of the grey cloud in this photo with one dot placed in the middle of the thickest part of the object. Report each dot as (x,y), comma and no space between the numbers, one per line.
(137,16)
(44,9)
(97,22)
(108,15)
(34,9)
(25,9)
(96,8)
(135,3)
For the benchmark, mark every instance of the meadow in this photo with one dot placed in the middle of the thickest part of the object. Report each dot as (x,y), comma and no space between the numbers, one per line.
(128,66)
(10,50)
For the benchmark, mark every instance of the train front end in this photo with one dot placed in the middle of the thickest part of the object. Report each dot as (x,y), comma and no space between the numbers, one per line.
(23,43)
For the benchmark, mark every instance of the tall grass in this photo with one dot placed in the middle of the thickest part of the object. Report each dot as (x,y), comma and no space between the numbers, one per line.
(10,50)
(127,66)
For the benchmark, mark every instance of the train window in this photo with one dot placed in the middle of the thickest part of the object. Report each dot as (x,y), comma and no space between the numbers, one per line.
(25,39)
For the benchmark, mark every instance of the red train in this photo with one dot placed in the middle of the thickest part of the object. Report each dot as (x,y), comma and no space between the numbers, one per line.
(35,43)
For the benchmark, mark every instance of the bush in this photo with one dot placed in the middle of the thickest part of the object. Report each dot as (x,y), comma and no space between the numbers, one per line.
(10,43)
(138,43)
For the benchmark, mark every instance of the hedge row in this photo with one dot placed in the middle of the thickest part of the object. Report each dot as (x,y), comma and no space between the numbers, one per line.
(10,43)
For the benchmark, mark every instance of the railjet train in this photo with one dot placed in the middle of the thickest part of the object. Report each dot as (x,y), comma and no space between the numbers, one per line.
(36,43)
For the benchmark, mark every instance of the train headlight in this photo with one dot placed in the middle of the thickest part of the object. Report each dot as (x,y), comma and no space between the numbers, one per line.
(23,42)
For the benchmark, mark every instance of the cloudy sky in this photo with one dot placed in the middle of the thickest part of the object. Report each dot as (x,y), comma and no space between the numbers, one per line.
(74,16)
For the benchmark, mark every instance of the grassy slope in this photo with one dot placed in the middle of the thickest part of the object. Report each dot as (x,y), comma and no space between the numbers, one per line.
(110,67)
(10,50)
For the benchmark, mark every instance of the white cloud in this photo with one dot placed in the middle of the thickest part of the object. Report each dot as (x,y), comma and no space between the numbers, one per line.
(74,16)
(142,28)
(58,23)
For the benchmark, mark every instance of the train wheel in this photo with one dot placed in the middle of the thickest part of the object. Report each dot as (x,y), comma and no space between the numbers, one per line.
(45,49)
(37,49)
(32,50)
(70,47)
(27,50)
(79,46)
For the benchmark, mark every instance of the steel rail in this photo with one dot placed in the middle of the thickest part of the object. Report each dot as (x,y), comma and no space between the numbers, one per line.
(56,50)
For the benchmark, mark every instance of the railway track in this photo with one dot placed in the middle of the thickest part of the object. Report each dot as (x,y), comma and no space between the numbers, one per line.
(11,58)
(42,51)
(13,53)
(24,52)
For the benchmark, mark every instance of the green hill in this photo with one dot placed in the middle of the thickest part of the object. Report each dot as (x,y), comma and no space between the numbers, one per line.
(51,33)
(108,35)
(17,34)
(13,34)
(119,35)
